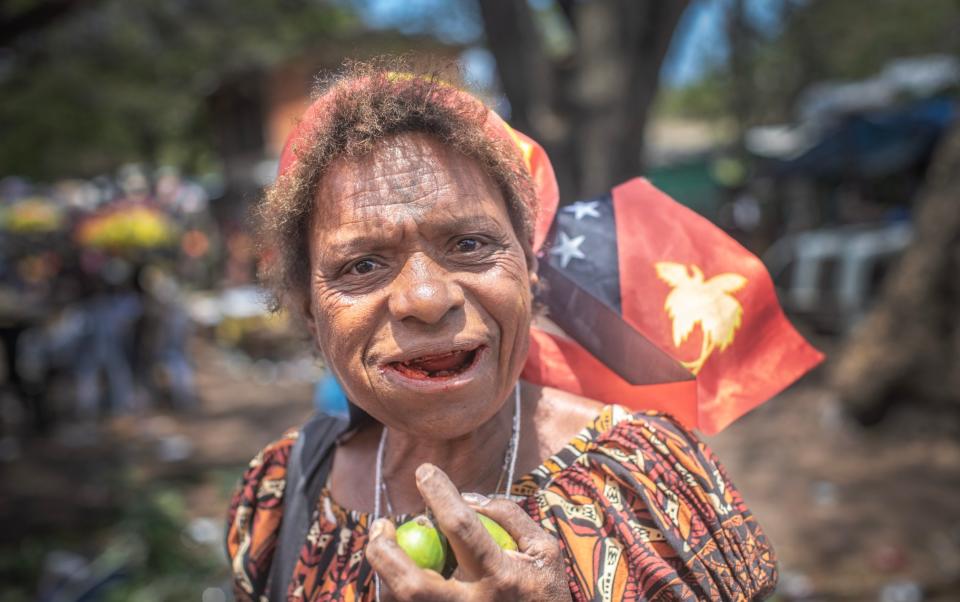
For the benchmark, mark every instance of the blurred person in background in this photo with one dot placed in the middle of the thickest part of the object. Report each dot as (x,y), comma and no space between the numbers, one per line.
(109,317)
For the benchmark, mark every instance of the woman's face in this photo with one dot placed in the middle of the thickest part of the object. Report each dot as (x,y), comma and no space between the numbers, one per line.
(420,291)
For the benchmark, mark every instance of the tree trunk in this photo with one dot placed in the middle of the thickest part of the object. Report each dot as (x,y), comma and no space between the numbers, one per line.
(529,80)
(908,346)
(740,44)
(34,18)
(646,42)
(589,110)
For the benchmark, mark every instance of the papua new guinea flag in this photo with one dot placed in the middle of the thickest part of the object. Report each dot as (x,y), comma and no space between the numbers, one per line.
(659,309)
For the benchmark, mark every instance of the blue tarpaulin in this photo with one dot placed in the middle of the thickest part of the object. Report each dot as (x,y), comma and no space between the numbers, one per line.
(875,144)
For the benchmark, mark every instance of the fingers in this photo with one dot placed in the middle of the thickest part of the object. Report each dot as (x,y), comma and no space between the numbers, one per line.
(477,553)
(399,574)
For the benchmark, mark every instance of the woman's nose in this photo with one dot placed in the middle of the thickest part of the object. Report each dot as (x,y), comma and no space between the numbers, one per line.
(425,292)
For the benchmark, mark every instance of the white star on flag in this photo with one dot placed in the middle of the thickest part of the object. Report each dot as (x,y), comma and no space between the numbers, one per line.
(581,208)
(568,248)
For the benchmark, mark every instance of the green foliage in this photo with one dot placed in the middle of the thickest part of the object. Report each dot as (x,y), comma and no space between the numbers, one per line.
(170,567)
(817,41)
(703,99)
(19,567)
(823,40)
(159,561)
(126,80)
(855,38)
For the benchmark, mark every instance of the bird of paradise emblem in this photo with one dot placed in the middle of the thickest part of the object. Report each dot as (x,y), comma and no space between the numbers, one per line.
(710,303)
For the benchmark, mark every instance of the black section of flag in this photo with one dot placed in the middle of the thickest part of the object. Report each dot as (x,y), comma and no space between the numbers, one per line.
(583,245)
(582,294)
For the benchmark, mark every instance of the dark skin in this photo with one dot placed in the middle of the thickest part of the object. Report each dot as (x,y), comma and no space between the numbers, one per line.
(413,254)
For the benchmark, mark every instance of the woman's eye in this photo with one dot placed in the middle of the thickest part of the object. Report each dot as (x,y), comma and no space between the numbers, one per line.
(467,245)
(364,266)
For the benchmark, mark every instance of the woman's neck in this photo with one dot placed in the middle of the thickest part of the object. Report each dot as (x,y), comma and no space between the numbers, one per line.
(551,419)
(474,462)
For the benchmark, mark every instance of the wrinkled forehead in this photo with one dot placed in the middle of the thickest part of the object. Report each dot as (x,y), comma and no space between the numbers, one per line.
(405,177)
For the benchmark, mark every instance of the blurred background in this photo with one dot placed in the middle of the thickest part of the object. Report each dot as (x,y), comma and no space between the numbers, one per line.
(140,371)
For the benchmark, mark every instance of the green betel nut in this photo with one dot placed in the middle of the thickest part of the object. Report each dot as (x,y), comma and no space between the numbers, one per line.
(498,533)
(423,543)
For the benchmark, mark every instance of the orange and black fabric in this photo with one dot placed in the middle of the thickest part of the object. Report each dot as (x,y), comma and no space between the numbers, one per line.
(642,510)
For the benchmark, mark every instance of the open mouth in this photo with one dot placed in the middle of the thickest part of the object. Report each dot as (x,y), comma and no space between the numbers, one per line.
(439,366)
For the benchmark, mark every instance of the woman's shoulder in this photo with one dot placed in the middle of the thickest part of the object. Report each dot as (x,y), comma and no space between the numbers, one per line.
(650,442)
(616,423)
(565,418)
(646,470)
(575,431)
(265,474)
(642,452)
(271,461)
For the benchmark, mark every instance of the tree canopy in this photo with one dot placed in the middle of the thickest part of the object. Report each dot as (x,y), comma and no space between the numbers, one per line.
(814,41)
(112,80)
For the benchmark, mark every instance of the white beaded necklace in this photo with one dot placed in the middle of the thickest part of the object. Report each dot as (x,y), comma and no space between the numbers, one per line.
(509,464)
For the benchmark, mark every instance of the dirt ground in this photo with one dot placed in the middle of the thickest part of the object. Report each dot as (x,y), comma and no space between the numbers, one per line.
(854,514)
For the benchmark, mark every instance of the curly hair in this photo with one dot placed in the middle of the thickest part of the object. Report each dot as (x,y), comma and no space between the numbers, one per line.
(356,109)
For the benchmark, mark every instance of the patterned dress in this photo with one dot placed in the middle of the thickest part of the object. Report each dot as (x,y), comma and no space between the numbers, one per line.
(642,510)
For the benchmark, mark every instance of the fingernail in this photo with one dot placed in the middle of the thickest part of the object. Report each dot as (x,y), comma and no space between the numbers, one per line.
(475,498)
(425,471)
(376,528)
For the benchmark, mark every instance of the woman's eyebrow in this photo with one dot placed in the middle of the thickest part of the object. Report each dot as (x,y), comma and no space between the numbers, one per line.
(348,246)
(360,236)
(466,224)
(370,242)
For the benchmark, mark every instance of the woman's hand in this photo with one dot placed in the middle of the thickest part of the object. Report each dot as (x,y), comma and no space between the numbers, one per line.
(485,571)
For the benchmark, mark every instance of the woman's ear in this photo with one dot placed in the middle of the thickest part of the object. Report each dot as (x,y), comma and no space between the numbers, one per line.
(306,313)
(533,265)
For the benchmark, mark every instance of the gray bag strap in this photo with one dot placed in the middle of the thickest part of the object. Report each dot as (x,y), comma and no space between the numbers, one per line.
(307,469)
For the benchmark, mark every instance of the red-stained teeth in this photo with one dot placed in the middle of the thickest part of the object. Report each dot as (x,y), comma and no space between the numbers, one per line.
(437,366)
(437,363)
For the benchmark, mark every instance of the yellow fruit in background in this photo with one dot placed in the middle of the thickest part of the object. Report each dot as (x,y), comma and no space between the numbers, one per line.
(32,215)
(131,227)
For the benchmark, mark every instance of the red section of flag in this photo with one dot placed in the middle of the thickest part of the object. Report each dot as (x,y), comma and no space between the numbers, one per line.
(723,300)
(559,362)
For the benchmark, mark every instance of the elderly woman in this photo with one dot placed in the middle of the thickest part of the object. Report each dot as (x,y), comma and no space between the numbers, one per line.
(401,228)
